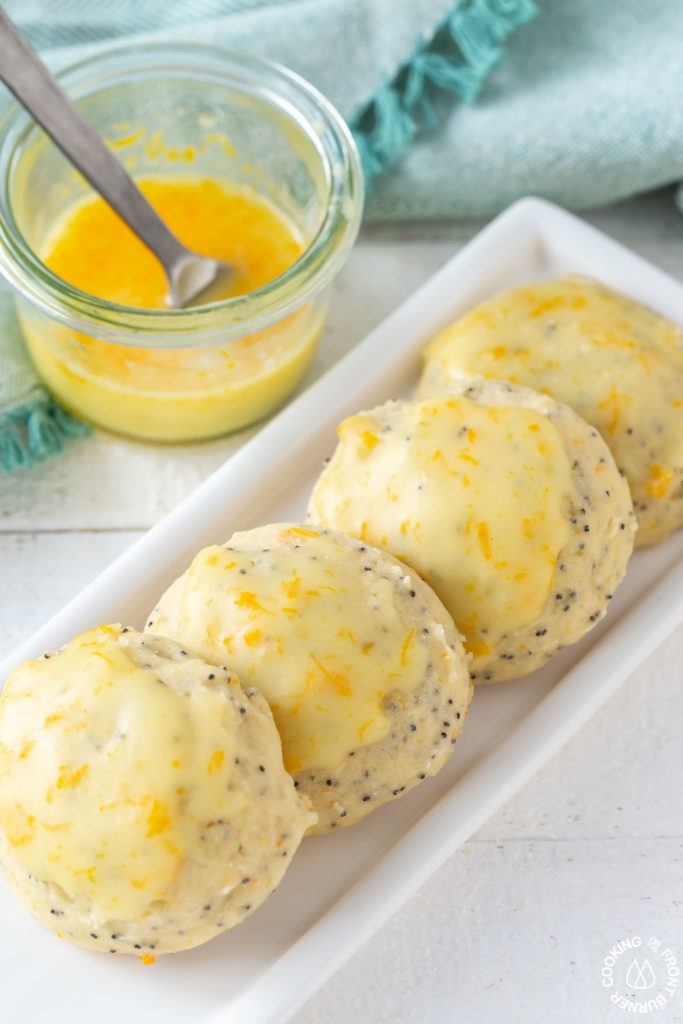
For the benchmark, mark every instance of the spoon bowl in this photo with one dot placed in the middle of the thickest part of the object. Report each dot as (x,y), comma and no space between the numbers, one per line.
(197,280)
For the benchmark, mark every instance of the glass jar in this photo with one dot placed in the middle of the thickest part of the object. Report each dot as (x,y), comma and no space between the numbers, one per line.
(177,375)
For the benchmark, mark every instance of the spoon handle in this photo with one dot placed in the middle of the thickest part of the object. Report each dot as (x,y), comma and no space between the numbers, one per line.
(26,76)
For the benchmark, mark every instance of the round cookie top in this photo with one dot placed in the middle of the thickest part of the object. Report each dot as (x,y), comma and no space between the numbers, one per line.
(143,801)
(489,491)
(616,363)
(346,644)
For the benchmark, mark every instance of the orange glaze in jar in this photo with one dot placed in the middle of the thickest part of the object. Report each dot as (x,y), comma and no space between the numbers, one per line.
(177,393)
(95,251)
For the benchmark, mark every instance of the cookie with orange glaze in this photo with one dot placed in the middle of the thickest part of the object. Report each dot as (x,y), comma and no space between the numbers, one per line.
(144,806)
(503,499)
(618,364)
(360,662)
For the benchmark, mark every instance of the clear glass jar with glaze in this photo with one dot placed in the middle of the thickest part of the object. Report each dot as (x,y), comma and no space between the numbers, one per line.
(177,375)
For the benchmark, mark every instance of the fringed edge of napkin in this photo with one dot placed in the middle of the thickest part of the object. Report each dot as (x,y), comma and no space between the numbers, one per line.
(35,430)
(457,59)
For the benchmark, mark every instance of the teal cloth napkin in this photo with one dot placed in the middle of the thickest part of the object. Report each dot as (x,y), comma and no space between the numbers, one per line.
(583,109)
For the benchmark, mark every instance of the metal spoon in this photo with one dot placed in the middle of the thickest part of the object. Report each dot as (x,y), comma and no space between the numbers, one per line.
(192,279)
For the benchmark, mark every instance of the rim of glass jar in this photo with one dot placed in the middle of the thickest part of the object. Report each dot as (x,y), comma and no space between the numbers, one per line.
(222,321)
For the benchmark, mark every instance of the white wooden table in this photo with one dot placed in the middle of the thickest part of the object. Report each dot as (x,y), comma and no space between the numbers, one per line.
(515,927)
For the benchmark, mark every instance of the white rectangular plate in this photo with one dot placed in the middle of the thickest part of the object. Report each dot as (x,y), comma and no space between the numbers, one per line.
(341,888)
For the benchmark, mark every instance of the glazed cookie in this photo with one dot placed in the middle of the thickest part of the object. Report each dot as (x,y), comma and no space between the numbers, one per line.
(505,501)
(144,807)
(360,662)
(616,363)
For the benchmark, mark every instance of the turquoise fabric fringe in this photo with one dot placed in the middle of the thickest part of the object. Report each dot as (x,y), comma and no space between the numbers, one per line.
(34,431)
(456,60)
